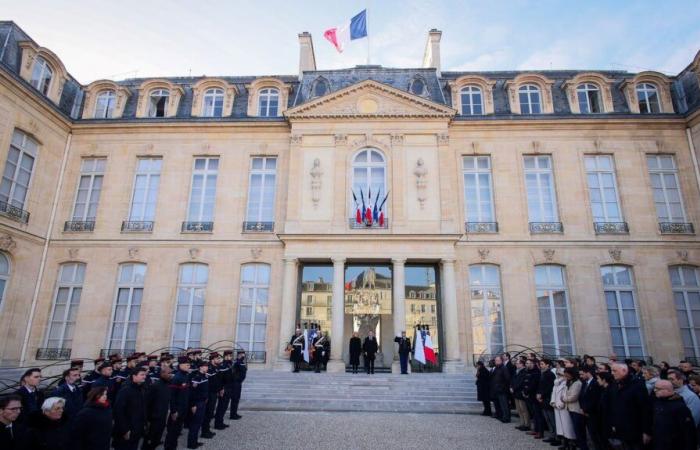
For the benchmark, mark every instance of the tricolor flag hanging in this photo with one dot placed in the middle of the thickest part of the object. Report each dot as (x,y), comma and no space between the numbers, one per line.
(306,346)
(429,350)
(355,28)
(418,350)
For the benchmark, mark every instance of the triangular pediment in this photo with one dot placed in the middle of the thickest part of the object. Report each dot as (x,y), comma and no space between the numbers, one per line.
(369,99)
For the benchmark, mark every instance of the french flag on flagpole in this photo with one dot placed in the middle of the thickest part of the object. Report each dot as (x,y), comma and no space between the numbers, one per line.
(355,28)
(428,349)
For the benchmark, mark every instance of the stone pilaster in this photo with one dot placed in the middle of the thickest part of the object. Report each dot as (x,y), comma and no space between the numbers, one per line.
(452,362)
(288,316)
(336,363)
(399,312)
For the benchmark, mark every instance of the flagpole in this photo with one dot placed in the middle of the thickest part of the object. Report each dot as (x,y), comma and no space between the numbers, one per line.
(367,28)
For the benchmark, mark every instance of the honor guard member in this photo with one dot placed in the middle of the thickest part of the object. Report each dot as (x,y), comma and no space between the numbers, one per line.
(225,370)
(153,366)
(118,376)
(404,350)
(106,379)
(199,393)
(157,406)
(296,344)
(238,372)
(216,392)
(90,378)
(322,348)
(179,402)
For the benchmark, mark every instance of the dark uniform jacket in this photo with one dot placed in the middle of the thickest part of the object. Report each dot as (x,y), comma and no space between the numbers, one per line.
(239,371)
(323,349)
(74,399)
(130,410)
(216,379)
(109,383)
(589,397)
(17,438)
(158,400)
(370,347)
(296,354)
(226,373)
(199,388)
(545,388)
(179,393)
(404,345)
(482,384)
(673,425)
(516,384)
(355,350)
(31,403)
(92,428)
(629,411)
(500,380)
(531,382)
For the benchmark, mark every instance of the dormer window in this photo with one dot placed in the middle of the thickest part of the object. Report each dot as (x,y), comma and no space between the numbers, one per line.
(213,104)
(268,104)
(320,88)
(418,87)
(158,103)
(472,101)
(648,98)
(530,101)
(588,98)
(104,105)
(41,75)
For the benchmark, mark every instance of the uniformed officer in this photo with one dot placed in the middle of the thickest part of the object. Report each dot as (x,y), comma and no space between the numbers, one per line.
(93,375)
(179,402)
(106,379)
(239,371)
(322,348)
(226,372)
(404,349)
(216,392)
(199,393)
(157,406)
(297,348)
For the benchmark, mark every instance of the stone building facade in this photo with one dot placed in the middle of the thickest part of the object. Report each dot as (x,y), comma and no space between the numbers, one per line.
(554,210)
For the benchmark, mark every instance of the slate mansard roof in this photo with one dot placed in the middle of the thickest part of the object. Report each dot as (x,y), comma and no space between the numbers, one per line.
(685,87)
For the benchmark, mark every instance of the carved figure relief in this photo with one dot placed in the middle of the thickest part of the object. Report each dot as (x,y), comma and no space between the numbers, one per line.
(316,174)
(548,254)
(255,253)
(421,181)
(615,254)
(7,243)
(194,253)
(483,253)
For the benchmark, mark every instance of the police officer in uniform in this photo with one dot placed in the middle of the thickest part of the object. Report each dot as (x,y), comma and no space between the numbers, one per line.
(404,349)
(322,349)
(199,394)
(239,372)
(226,372)
(216,391)
(179,402)
(296,344)
(93,375)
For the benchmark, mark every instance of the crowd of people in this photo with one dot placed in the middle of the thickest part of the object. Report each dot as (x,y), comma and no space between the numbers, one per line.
(142,402)
(581,404)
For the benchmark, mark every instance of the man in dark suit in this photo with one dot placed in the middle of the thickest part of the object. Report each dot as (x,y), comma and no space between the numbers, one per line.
(589,399)
(370,348)
(500,387)
(404,350)
(13,435)
(70,392)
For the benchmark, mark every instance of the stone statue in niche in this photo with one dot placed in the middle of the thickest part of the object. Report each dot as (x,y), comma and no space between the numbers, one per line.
(421,181)
(316,174)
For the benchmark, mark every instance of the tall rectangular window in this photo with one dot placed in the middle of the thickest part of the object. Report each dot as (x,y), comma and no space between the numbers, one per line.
(666,188)
(539,183)
(145,193)
(65,306)
(261,191)
(127,308)
(18,170)
(189,312)
(486,309)
(685,281)
(252,307)
(478,189)
(618,287)
(203,191)
(553,305)
(602,187)
(89,188)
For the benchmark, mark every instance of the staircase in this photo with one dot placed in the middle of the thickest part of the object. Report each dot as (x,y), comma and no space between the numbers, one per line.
(307,391)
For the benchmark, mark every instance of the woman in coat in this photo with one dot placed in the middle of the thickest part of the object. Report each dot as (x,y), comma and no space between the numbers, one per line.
(482,387)
(355,351)
(571,396)
(565,428)
(92,427)
(50,426)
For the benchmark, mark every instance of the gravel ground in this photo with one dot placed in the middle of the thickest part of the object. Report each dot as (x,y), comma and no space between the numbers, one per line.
(386,431)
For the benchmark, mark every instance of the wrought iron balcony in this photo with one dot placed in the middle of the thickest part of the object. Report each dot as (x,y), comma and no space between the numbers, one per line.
(137,226)
(358,226)
(481,227)
(13,212)
(546,227)
(258,227)
(258,357)
(611,227)
(52,353)
(197,227)
(105,352)
(676,228)
(79,225)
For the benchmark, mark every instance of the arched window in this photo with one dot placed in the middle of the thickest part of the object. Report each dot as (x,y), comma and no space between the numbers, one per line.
(189,311)
(268,102)
(252,307)
(104,104)
(368,179)
(648,98)
(472,101)
(553,305)
(65,306)
(158,103)
(486,308)
(41,75)
(530,100)
(127,307)
(320,87)
(618,287)
(418,86)
(213,103)
(588,98)
(685,282)
(4,275)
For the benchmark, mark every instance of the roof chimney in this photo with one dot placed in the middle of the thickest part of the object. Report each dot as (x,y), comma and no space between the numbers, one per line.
(431,57)
(307,59)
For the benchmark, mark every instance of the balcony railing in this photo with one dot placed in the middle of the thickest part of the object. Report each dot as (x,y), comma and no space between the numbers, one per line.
(105,352)
(481,227)
(52,353)
(258,227)
(197,227)
(13,212)
(137,226)
(676,228)
(546,227)
(611,227)
(258,357)
(358,226)
(79,225)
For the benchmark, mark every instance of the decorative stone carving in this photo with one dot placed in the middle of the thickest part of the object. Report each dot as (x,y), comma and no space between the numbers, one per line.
(316,174)
(296,139)
(682,255)
(548,254)
(133,252)
(659,145)
(255,253)
(483,253)
(536,146)
(475,147)
(73,253)
(7,243)
(194,253)
(597,144)
(615,254)
(421,181)
(396,139)
(443,138)
(33,126)
(341,139)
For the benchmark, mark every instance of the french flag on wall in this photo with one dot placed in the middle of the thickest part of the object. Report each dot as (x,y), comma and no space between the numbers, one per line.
(355,28)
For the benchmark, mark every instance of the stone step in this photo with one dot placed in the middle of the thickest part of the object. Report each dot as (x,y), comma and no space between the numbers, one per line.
(404,406)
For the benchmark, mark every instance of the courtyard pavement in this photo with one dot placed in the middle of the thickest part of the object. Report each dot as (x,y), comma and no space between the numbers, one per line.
(272,430)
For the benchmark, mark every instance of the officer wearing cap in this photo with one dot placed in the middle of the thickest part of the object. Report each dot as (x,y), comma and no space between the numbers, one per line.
(216,391)
(225,369)
(199,393)
(90,378)
(239,372)
(179,402)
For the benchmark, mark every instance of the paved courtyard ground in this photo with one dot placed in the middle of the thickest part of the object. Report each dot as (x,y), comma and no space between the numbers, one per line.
(271,430)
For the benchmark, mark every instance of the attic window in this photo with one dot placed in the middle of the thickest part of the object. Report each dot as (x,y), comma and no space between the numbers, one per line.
(418,87)
(158,103)
(320,88)
(41,75)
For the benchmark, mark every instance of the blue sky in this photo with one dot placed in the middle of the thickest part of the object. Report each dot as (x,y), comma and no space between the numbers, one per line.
(99,39)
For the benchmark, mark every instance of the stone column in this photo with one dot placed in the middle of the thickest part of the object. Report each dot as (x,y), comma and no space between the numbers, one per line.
(288,315)
(452,361)
(399,312)
(336,363)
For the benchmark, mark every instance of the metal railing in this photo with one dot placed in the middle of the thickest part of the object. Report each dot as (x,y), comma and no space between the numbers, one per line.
(79,225)
(106,352)
(137,226)
(611,227)
(13,212)
(481,227)
(51,354)
(197,227)
(676,228)
(546,227)
(258,227)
